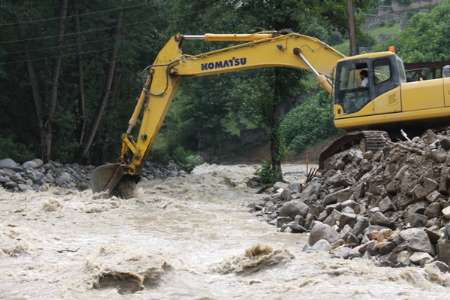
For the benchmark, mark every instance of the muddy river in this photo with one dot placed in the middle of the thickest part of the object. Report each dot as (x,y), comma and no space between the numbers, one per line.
(179,238)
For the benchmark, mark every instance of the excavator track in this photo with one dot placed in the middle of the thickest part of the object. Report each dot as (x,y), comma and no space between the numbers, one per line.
(367,140)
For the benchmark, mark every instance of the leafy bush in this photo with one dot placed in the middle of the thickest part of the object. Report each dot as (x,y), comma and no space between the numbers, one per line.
(16,151)
(426,36)
(266,174)
(186,159)
(308,123)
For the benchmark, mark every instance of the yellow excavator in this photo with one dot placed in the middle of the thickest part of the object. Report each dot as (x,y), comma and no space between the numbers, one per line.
(370,93)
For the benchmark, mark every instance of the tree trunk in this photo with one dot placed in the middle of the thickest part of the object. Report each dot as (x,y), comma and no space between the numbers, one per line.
(106,95)
(275,145)
(82,100)
(37,99)
(352,28)
(48,125)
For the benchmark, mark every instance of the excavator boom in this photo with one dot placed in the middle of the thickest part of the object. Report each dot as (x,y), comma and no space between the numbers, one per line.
(253,51)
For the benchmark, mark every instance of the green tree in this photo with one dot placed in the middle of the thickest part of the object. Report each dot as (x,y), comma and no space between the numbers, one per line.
(426,36)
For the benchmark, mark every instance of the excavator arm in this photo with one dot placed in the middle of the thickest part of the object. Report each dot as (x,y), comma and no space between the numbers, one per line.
(260,50)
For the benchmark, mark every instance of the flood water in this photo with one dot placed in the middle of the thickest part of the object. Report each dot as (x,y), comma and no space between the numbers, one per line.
(180,232)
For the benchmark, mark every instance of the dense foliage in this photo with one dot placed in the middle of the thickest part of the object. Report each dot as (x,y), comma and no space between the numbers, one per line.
(426,37)
(308,123)
(70,72)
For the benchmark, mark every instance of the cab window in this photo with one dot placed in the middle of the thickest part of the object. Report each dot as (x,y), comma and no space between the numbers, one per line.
(352,91)
(382,71)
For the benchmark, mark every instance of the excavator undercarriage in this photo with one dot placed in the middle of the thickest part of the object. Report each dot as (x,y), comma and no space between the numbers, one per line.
(367,140)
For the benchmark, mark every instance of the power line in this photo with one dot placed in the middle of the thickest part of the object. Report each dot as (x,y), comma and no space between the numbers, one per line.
(68,34)
(64,55)
(72,16)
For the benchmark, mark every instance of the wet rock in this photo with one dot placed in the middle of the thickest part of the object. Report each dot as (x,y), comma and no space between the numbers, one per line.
(280,185)
(282,221)
(443,267)
(438,156)
(321,245)
(378,218)
(352,204)
(361,224)
(343,252)
(433,210)
(385,204)
(63,179)
(294,227)
(24,187)
(402,258)
(433,196)
(445,143)
(347,219)
(321,231)
(333,218)
(417,220)
(385,247)
(433,235)
(420,258)
(446,212)
(313,188)
(293,208)
(443,250)
(33,164)
(339,196)
(8,163)
(282,194)
(417,240)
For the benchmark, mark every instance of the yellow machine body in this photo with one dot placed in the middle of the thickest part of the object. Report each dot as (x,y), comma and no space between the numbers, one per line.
(387,99)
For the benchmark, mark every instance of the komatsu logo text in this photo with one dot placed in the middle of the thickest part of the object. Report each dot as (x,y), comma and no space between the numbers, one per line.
(234,62)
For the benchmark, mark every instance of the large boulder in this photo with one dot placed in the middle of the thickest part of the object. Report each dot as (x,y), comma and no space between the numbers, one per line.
(33,164)
(293,208)
(8,163)
(417,240)
(321,231)
(63,179)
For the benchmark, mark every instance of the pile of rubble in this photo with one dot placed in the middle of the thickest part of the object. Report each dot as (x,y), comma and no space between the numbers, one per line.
(35,175)
(392,205)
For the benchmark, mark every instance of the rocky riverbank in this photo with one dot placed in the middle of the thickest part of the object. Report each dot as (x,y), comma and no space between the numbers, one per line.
(392,206)
(34,175)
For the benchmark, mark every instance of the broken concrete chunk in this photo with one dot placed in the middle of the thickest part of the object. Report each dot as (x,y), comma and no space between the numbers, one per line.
(417,240)
(386,204)
(420,258)
(339,196)
(378,218)
(361,224)
(347,219)
(321,231)
(433,196)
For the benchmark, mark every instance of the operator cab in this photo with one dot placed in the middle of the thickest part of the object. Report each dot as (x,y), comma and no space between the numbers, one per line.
(362,78)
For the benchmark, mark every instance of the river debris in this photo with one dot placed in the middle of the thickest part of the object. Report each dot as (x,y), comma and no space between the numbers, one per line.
(125,271)
(254,259)
(392,205)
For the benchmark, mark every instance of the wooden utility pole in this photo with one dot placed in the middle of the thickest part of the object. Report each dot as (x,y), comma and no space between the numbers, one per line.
(352,28)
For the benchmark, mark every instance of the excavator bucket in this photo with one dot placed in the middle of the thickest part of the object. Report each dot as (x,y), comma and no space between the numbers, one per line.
(113,179)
